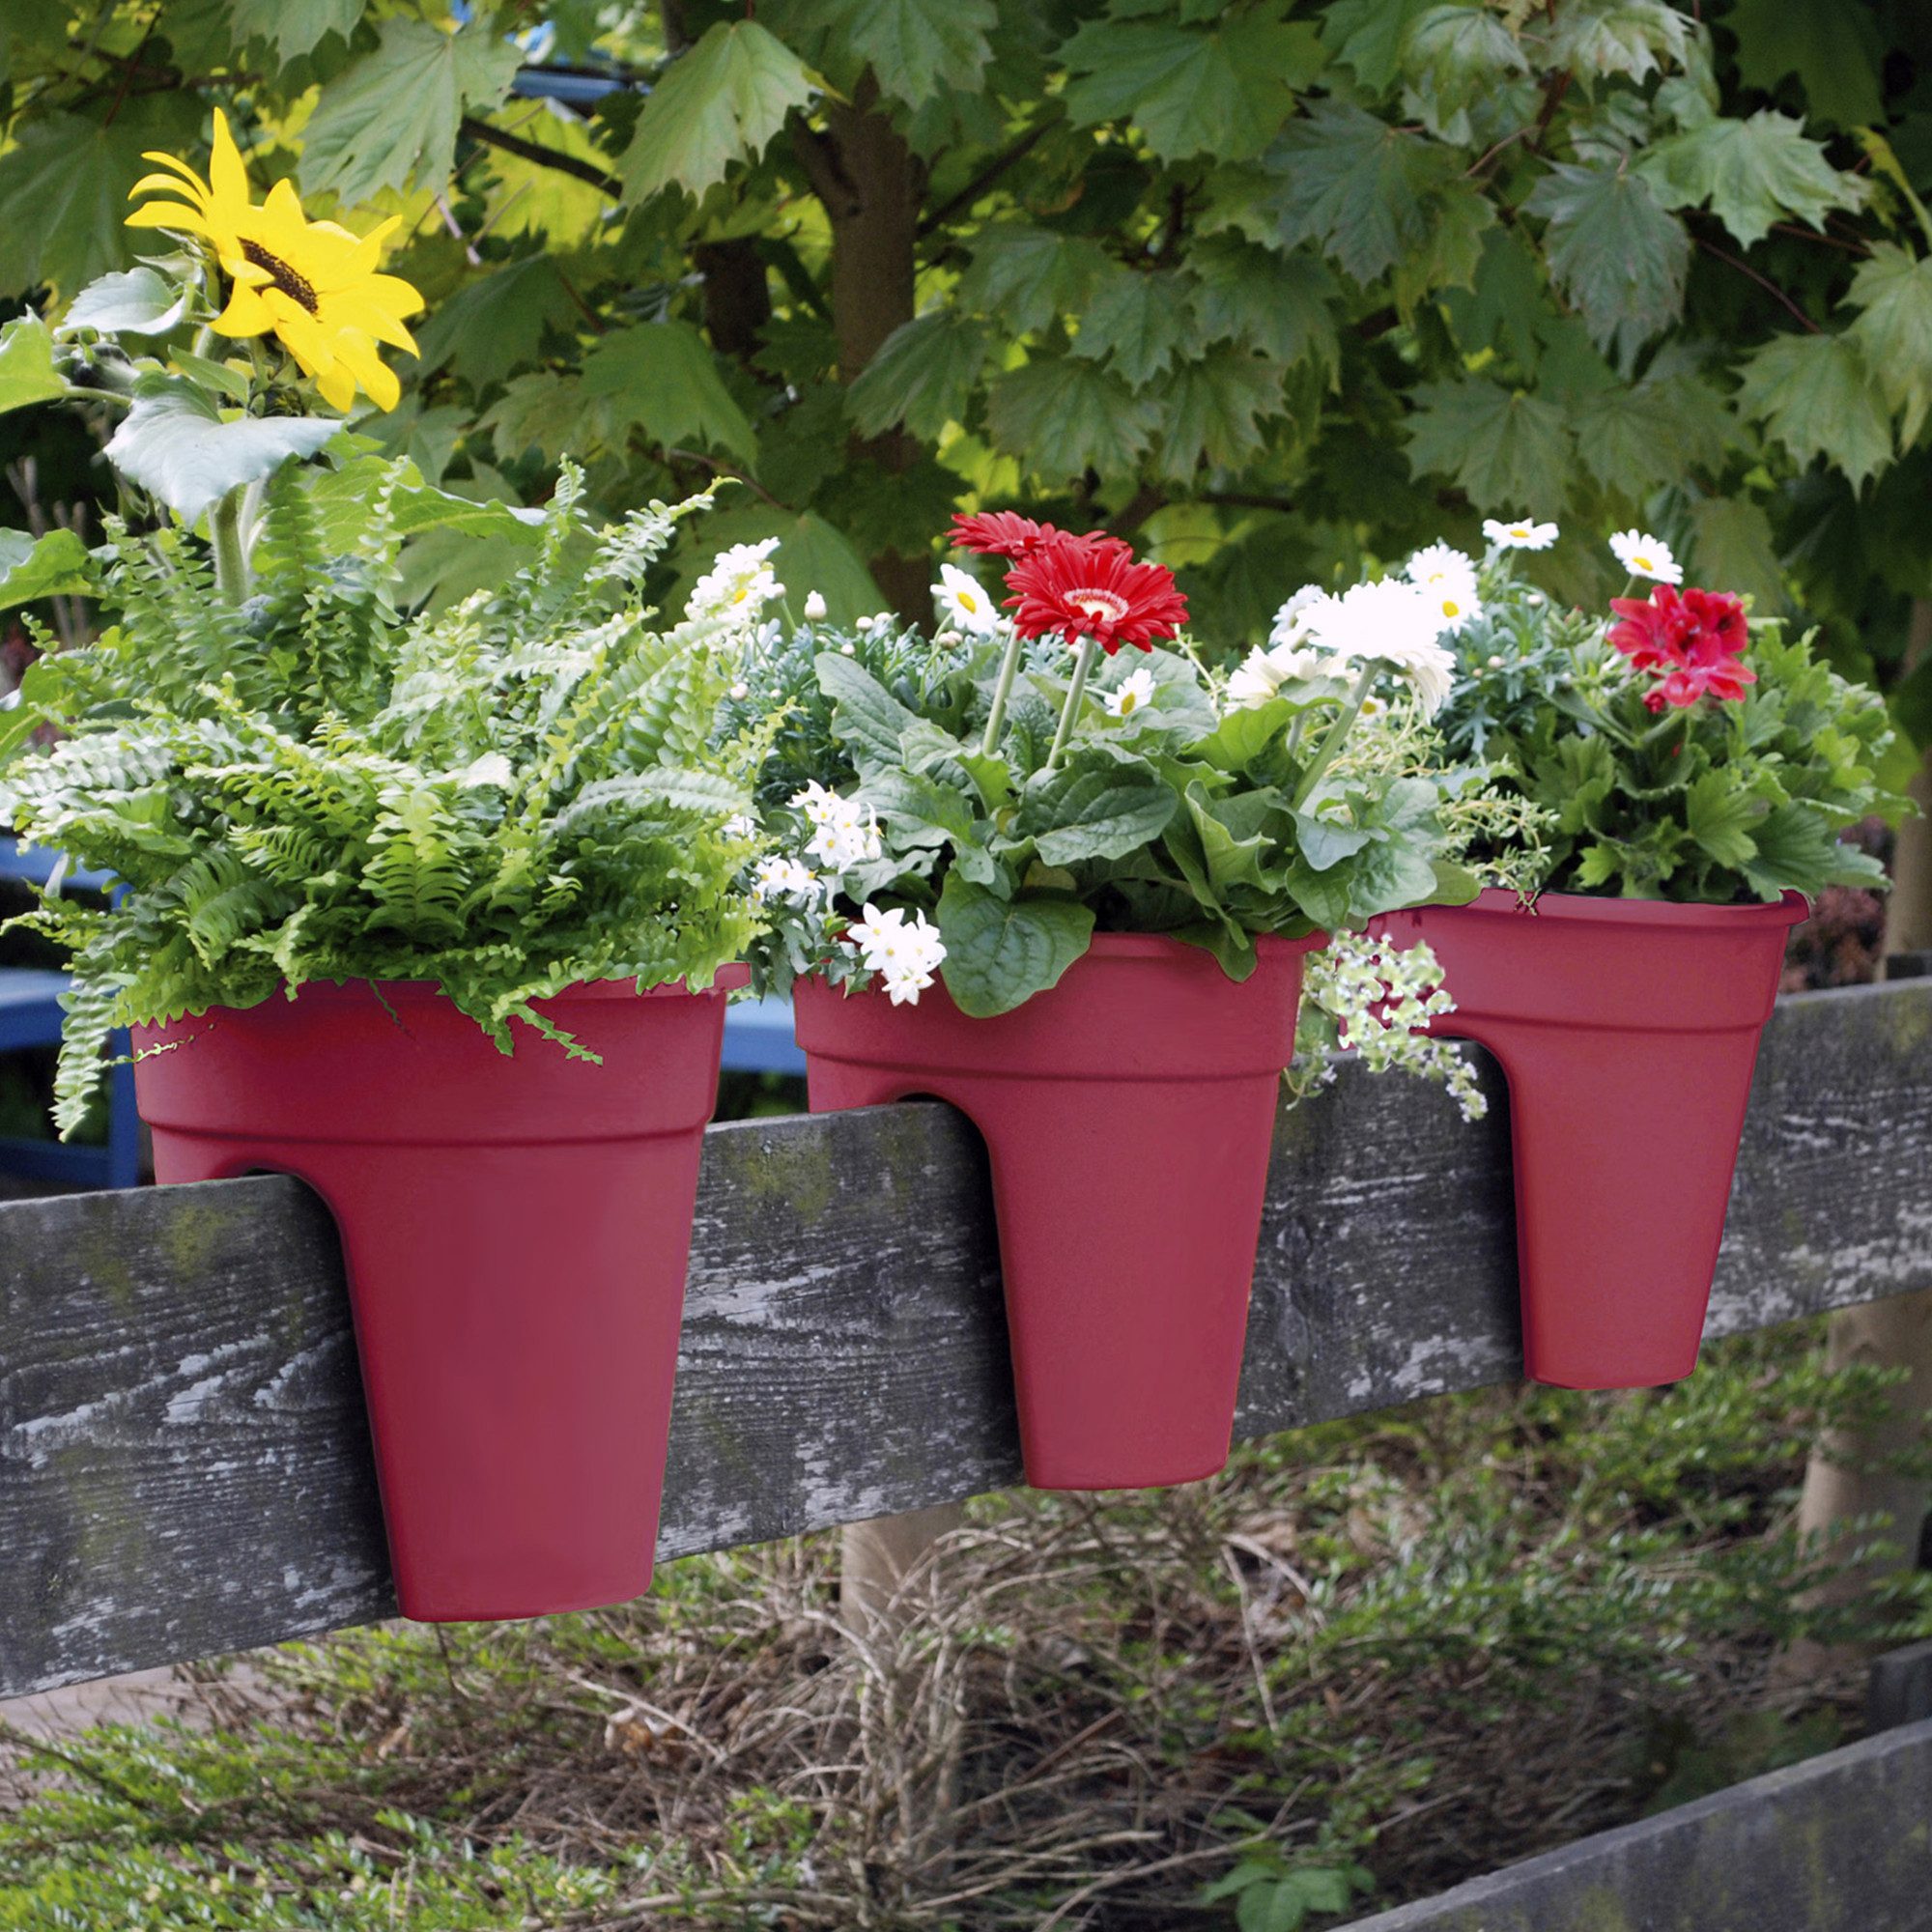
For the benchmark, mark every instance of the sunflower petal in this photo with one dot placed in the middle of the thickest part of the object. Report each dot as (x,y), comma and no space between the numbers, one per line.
(398,297)
(167,214)
(354,308)
(358,354)
(338,387)
(246,314)
(181,167)
(226,175)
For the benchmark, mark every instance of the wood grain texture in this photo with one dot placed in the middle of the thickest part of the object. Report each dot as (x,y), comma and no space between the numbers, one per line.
(1840,1843)
(183,1458)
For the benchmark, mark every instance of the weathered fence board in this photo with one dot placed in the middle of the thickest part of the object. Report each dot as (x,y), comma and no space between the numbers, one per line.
(1840,1843)
(184,1461)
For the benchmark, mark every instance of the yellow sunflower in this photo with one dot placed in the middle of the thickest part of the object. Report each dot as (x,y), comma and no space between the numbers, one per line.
(311,284)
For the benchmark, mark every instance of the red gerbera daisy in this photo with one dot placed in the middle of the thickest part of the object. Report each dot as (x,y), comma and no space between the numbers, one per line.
(1000,534)
(1691,643)
(1091,587)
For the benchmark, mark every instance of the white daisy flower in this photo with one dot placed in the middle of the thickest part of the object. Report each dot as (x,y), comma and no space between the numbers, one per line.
(1646,556)
(1522,535)
(737,587)
(1448,580)
(960,599)
(1394,623)
(1133,694)
(1291,621)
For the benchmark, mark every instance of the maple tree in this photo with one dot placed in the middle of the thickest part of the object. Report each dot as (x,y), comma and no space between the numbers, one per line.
(1269,288)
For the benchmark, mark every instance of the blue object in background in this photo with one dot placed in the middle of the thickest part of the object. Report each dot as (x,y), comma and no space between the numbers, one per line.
(759,1038)
(30,1015)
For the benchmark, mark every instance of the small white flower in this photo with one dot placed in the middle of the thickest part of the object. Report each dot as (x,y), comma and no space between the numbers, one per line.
(1448,579)
(905,956)
(1262,673)
(960,599)
(1394,623)
(843,832)
(1522,535)
(784,879)
(861,624)
(741,691)
(740,825)
(1133,694)
(814,608)
(1534,600)
(737,587)
(848,650)
(1495,661)
(1646,556)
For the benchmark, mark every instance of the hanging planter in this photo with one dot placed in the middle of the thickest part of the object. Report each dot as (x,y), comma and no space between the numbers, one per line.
(1627,1030)
(514,1230)
(1127,1113)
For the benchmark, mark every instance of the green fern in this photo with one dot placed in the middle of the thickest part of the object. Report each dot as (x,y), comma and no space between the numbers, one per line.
(508,797)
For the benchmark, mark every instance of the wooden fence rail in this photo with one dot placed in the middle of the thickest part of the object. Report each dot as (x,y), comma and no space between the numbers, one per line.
(184,1456)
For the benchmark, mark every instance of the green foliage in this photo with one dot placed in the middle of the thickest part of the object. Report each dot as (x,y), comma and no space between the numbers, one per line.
(1717,801)
(505,797)
(1187,271)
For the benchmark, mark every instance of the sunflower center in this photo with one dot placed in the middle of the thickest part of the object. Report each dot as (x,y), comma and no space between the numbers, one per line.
(1099,603)
(295,285)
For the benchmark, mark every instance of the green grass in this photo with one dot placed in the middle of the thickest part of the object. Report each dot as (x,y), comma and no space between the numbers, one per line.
(1392,1651)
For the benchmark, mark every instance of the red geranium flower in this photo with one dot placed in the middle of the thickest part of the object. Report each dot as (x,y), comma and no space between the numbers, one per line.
(1091,587)
(1691,643)
(1001,533)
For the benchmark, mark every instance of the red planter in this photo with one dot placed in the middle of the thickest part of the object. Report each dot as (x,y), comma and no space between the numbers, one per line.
(515,1229)
(1127,1114)
(1628,1030)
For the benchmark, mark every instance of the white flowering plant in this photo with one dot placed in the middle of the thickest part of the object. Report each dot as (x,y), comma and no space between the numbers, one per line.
(976,806)
(1674,748)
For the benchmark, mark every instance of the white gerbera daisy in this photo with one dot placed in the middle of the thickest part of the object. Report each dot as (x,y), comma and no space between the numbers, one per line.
(961,600)
(1520,534)
(1646,556)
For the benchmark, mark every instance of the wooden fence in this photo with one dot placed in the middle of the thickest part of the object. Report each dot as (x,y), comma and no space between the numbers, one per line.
(183,1456)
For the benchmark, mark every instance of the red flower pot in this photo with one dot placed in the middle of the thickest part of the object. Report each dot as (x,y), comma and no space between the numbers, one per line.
(1127,1114)
(1628,1030)
(514,1230)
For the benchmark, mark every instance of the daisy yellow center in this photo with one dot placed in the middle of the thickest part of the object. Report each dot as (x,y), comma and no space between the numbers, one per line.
(968,602)
(1129,701)
(1519,529)
(1642,563)
(291,281)
(1099,603)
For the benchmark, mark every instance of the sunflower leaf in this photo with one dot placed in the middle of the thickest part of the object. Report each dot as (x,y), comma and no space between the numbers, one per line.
(138,302)
(27,371)
(175,446)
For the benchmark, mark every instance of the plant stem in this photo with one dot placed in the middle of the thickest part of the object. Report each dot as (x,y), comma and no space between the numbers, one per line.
(1332,743)
(1075,692)
(989,743)
(231,567)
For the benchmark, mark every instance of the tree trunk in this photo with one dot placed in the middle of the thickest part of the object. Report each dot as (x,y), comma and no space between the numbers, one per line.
(870,183)
(1841,1480)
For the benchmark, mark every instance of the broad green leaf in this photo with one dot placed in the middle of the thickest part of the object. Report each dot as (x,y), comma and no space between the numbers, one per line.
(720,102)
(1461,52)
(57,566)
(137,303)
(1236,853)
(1895,290)
(537,410)
(390,118)
(999,952)
(1324,843)
(867,717)
(663,378)
(1367,36)
(1633,37)
(923,376)
(1721,813)
(1212,409)
(1834,51)
(1616,254)
(1223,90)
(174,445)
(1243,735)
(1459,218)
(1026,277)
(1506,302)
(1751,172)
(1818,396)
(1276,303)
(1136,322)
(296,26)
(1633,437)
(27,371)
(1095,814)
(64,185)
(341,498)
(1064,416)
(919,811)
(915,48)
(1736,548)
(495,325)
(1503,447)
(1360,187)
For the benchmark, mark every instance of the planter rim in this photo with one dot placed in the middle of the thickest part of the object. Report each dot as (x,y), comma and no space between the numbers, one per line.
(1586,908)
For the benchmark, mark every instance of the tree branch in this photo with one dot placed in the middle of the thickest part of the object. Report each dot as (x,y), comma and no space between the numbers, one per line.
(544,158)
(958,204)
(1764,282)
